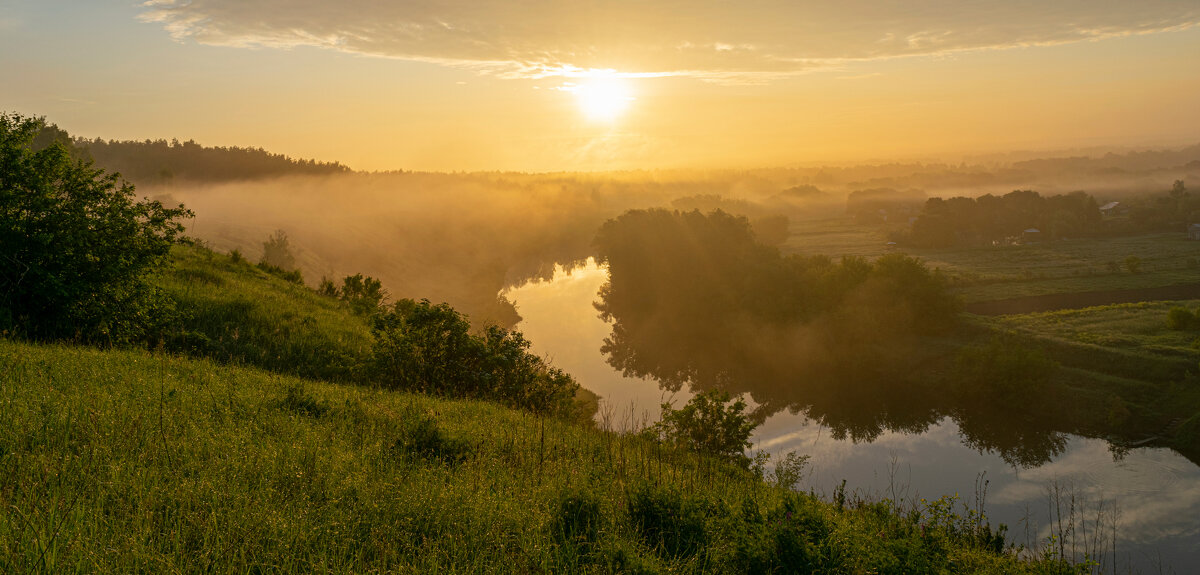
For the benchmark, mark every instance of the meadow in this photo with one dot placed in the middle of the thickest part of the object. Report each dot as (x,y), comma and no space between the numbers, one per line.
(988,273)
(245,461)
(132,461)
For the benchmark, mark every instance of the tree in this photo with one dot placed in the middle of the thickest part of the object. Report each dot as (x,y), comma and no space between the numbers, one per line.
(278,253)
(75,245)
(709,424)
(364,293)
(430,348)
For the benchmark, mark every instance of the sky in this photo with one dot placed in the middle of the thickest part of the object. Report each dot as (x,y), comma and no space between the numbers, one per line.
(567,85)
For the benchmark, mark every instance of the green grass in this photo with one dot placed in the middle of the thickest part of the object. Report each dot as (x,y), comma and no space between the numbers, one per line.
(1128,376)
(1001,272)
(128,461)
(1137,327)
(236,312)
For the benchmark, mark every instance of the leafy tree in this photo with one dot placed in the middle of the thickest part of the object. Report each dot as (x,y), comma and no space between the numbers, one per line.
(75,245)
(277,252)
(427,347)
(712,423)
(364,293)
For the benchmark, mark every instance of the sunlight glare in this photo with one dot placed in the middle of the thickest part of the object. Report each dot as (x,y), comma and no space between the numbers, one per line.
(602,98)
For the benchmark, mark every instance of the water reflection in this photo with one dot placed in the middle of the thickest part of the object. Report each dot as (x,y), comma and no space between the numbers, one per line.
(781,369)
(908,445)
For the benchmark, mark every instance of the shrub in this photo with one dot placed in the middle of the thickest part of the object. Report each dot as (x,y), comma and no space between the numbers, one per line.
(576,519)
(1180,318)
(277,252)
(289,275)
(711,423)
(75,246)
(328,289)
(299,400)
(667,521)
(423,438)
(427,347)
(1133,264)
(364,293)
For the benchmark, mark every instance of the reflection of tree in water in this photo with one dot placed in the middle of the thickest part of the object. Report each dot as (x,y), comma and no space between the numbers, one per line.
(858,402)
(685,309)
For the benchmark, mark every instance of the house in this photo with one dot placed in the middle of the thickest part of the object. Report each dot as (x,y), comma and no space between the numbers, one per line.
(1194,232)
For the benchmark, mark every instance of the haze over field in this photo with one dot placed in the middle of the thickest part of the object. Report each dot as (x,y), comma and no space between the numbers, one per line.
(881,251)
(550,86)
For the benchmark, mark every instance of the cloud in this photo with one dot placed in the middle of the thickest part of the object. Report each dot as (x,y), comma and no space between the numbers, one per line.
(753,40)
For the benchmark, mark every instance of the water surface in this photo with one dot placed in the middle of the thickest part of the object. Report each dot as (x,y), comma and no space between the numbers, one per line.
(1153,493)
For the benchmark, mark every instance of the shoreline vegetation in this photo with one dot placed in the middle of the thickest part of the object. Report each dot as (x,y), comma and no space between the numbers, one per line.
(197,412)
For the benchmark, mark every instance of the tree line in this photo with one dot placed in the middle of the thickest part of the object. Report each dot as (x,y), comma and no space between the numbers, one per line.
(162,162)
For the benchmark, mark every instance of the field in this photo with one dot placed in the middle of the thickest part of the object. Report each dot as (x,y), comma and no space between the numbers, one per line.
(1001,272)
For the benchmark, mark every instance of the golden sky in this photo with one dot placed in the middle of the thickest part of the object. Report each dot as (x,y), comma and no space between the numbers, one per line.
(550,85)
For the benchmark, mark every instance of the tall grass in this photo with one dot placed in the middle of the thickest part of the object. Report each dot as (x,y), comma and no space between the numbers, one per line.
(130,461)
(236,312)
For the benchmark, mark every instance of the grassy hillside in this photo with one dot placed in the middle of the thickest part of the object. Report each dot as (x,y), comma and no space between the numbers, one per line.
(122,461)
(242,459)
(236,312)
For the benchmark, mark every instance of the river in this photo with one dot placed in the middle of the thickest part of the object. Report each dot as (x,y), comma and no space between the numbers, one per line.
(1152,494)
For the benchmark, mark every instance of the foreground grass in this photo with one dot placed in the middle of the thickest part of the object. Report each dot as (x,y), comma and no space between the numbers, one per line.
(126,461)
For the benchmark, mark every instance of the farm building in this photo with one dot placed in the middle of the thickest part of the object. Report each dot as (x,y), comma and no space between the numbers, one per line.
(1194,232)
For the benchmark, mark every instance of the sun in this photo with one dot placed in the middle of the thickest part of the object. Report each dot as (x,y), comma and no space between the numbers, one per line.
(602,98)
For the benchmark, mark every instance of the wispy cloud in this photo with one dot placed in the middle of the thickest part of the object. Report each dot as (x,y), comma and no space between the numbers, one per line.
(715,40)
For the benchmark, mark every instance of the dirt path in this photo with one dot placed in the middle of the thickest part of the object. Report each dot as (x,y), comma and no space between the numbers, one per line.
(1057,301)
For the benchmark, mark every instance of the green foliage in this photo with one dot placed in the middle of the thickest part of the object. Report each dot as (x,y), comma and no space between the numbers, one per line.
(988,218)
(668,521)
(299,400)
(1180,318)
(328,289)
(790,470)
(76,248)
(127,461)
(234,312)
(711,423)
(421,437)
(162,161)
(364,294)
(289,275)
(576,520)
(427,347)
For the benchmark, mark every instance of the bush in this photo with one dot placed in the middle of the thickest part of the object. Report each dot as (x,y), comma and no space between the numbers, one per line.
(364,293)
(709,424)
(75,246)
(423,438)
(427,347)
(1180,318)
(670,523)
(277,252)
(1133,264)
(576,519)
